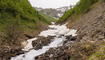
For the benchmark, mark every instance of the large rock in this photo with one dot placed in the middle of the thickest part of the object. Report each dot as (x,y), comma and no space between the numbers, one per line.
(40,42)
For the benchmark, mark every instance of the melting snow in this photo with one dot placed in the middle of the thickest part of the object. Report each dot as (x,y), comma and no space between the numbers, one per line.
(58,30)
(54,30)
(29,45)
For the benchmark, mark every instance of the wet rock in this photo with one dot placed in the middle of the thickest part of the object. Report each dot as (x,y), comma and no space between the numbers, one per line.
(71,38)
(60,36)
(40,42)
(68,37)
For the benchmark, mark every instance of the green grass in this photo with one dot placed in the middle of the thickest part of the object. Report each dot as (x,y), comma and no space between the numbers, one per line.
(22,11)
(48,18)
(81,7)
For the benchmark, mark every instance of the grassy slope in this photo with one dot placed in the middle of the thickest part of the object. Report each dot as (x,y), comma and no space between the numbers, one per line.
(48,18)
(20,11)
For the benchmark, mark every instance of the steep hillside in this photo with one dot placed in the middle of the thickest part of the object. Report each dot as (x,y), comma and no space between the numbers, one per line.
(91,28)
(21,11)
(90,23)
(18,22)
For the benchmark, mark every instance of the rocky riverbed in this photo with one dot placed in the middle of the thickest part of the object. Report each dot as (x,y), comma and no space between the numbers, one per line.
(47,42)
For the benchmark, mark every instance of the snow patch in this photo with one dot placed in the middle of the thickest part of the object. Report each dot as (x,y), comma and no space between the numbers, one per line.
(55,30)
(29,45)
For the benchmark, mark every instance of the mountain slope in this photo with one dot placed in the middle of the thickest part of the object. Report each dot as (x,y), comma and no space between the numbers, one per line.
(90,40)
(19,21)
(48,18)
(55,13)
(19,10)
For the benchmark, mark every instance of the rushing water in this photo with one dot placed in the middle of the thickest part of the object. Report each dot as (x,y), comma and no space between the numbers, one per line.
(54,30)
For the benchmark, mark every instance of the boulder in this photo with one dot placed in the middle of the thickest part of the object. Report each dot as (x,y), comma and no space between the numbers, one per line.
(40,42)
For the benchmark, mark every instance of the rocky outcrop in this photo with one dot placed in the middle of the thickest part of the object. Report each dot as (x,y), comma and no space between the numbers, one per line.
(41,41)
